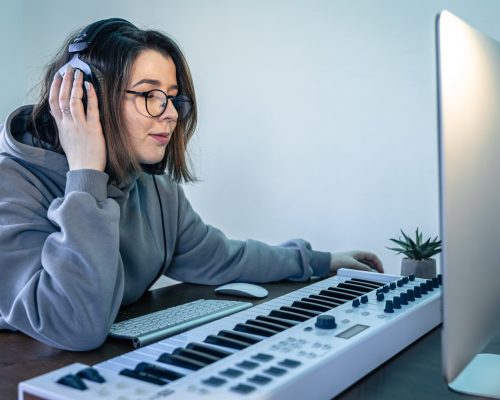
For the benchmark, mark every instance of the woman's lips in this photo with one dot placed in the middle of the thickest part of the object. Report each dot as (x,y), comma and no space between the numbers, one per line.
(162,138)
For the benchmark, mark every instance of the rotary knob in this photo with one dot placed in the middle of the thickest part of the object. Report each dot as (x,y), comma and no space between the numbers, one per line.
(326,322)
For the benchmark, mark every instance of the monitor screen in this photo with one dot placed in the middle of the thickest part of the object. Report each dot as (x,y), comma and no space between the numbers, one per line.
(469,162)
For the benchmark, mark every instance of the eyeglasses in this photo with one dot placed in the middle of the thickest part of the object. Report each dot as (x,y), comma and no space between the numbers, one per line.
(156,102)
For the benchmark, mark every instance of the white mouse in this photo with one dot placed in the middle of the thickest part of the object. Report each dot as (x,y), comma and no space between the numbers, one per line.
(242,289)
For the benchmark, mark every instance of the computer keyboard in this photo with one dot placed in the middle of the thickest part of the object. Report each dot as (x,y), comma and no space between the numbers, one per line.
(158,325)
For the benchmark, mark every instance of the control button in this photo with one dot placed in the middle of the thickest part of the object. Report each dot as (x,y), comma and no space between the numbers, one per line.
(404,298)
(275,371)
(410,295)
(385,288)
(396,302)
(380,296)
(247,364)
(400,282)
(214,381)
(411,277)
(91,374)
(435,282)
(289,363)
(440,279)
(243,389)
(388,306)
(423,288)
(393,285)
(430,285)
(72,381)
(260,379)
(364,299)
(405,280)
(232,373)
(417,292)
(308,328)
(263,357)
(326,322)
(355,303)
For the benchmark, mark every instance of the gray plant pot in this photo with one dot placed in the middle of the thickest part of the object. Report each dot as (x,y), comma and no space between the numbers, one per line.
(420,268)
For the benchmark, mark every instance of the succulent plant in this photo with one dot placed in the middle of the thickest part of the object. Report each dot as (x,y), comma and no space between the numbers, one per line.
(416,249)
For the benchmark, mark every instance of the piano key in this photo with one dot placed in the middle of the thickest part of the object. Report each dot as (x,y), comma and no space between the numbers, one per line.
(257,330)
(288,315)
(337,295)
(196,355)
(371,283)
(288,323)
(266,324)
(244,337)
(310,306)
(216,352)
(326,305)
(300,310)
(182,361)
(161,372)
(346,291)
(330,300)
(226,342)
(142,376)
(356,288)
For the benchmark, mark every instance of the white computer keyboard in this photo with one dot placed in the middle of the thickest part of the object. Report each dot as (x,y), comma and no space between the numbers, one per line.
(159,325)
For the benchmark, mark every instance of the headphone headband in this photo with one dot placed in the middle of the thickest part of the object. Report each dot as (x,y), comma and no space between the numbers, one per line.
(88,34)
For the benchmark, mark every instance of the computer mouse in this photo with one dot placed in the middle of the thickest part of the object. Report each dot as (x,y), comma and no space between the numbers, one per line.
(242,289)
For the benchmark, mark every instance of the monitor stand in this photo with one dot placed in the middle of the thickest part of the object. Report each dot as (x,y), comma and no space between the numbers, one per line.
(479,377)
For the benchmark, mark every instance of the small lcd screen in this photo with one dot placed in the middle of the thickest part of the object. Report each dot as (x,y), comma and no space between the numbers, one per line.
(352,331)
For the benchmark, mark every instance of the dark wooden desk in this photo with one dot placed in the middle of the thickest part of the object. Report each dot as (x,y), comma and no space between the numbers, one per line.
(415,373)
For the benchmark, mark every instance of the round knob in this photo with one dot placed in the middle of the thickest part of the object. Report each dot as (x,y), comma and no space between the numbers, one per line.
(417,292)
(405,280)
(326,322)
(380,296)
(400,283)
(435,282)
(410,295)
(355,303)
(364,299)
(393,285)
(440,279)
(385,288)
(430,285)
(396,302)
(411,277)
(404,298)
(388,306)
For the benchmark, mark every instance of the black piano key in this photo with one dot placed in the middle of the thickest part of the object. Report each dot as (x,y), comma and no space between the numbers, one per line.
(244,337)
(337,295)
(288,315)
(72,381)
(356,288)
(330,300)
(287,323)
(310,305)
(375,284)
(256,330)
(195,355)
(226,342)
(265,324)
(343,290)
(181,361)
(142,376)
(301,310)
(203,348)
(322,303)
(160,372)
(91,374)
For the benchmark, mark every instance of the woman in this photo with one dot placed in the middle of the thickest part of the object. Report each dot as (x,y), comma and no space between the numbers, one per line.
(91,210)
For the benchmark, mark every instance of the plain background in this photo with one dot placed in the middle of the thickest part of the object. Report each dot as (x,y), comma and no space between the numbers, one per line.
(317,119)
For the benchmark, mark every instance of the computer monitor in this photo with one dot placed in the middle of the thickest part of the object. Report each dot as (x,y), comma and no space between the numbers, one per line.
(469,164)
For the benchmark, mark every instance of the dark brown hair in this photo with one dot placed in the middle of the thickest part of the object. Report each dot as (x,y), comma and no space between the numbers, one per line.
(111,57)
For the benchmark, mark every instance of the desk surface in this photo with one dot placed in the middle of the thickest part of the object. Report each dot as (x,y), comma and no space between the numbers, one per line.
(415,373)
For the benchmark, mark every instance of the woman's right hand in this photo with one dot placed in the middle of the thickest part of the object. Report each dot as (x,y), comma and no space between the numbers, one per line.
(80,134)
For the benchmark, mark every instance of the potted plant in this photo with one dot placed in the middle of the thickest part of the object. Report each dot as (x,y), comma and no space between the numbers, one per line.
(418,254)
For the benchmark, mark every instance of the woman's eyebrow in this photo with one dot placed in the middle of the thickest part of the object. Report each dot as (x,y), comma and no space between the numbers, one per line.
(154,82)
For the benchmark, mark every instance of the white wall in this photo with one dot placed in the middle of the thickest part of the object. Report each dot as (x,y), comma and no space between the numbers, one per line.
(317,118)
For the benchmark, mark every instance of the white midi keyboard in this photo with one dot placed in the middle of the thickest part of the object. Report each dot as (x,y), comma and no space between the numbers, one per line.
(311,343)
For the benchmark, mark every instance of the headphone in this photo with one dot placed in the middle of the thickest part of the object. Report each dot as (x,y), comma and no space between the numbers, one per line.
(82,44)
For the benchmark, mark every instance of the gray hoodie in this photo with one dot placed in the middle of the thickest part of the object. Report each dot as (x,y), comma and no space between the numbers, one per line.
(74,248)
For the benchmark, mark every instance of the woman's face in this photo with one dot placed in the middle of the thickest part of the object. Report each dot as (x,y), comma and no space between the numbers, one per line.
(150,135)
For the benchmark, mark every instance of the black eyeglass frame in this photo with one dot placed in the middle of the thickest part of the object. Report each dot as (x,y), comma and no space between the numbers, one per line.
(177,102)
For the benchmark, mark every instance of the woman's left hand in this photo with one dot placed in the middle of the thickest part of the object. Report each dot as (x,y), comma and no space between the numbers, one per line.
(355,259)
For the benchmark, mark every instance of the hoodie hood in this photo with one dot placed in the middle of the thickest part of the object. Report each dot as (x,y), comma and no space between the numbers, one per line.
(17,142)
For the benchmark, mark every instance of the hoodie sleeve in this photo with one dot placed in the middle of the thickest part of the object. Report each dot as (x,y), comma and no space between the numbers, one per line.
(61,279)
(204,255)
